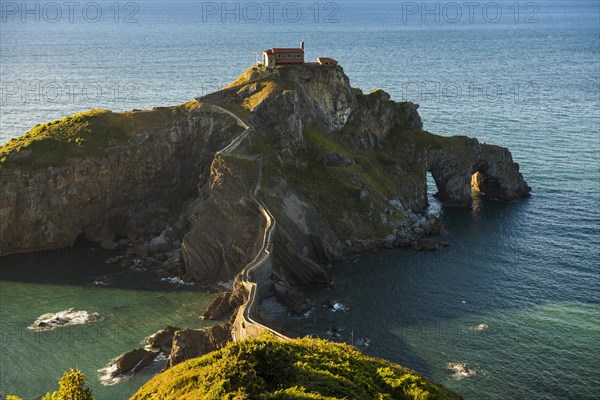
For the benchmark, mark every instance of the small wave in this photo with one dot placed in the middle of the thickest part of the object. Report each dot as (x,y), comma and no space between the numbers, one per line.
(177,281)
(339,307)
(160,357)
(106,375)
(481,327)
(461,370)
(227,285)
(72,316)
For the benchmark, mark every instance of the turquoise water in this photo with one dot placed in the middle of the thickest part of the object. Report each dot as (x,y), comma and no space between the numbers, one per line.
(527,269)
(532,281)
(132,305)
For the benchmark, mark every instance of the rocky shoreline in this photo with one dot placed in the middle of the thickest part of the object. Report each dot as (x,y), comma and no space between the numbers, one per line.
(195,192)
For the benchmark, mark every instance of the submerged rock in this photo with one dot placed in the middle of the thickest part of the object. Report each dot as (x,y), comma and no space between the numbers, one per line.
(292,299)
(428,245)
(482,327)
(461,370)
(72,316)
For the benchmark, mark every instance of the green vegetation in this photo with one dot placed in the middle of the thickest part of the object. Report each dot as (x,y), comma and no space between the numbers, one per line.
(299,369)
(250,89)
(71,386)
(338,188)
(370,99)
(243,113)
(333,191)
(249,75)
(86,134)
(246,169)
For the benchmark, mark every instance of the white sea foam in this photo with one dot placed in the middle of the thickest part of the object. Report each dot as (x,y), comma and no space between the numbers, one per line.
(461,370)
(177,281)
(481,327)
(72,316)
(339,307)
(106,375)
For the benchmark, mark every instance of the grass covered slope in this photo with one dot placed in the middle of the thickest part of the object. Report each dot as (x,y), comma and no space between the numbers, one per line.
(295,369)
(86,134)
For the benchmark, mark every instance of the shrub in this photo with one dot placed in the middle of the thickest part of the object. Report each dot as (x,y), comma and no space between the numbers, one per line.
(71,387)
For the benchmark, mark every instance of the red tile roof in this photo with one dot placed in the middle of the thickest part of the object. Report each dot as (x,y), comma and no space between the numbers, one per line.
(326,60)
(284,50)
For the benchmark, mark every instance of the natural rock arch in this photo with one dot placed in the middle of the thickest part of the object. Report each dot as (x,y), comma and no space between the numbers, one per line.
(487,168)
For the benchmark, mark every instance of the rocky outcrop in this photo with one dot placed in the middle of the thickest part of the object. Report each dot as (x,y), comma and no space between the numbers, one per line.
(191,343)
(129,189)
(133,361)
(291,298)
(225,227)
(340,171)
(163,338)
(72,316)
(488,169)
(220,307)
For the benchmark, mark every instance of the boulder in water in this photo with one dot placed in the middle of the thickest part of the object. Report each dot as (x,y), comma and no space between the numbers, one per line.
(481,327)
(133,361)
(162,338)
(72,316)
(462,370)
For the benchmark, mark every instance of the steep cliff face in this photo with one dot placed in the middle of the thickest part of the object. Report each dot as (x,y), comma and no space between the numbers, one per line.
(131,186)
(225,227)
(346,171)
(341,172)
(486,168)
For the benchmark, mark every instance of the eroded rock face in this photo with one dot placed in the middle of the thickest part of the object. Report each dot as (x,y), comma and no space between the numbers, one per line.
(129,190)
(219,307)
(226,228)
(163,338)
(133,361)
(347,173)
(490,169)
(192,343)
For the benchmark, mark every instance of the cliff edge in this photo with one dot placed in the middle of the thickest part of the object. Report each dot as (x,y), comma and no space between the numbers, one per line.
(254,187)
(341,172)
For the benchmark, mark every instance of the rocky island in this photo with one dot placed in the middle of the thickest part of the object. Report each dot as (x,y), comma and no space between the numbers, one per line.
(255,187)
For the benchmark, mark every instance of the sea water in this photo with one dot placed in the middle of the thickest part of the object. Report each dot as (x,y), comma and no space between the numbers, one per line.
(518,74)
(129,304)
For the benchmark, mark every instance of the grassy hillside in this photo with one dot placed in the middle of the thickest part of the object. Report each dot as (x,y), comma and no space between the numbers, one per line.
(300,369)
(86,134)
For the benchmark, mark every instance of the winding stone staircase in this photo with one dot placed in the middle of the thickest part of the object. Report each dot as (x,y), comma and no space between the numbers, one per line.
(257,275)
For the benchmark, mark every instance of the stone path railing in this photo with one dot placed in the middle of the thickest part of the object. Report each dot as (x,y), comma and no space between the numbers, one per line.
(246,324)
